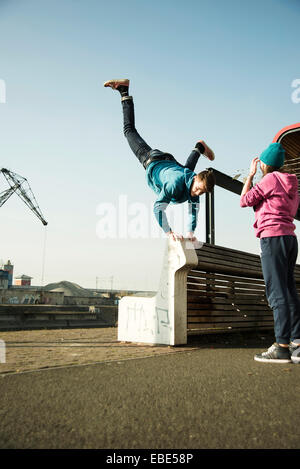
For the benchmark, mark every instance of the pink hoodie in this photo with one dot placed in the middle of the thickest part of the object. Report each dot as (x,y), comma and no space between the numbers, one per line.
(276,201)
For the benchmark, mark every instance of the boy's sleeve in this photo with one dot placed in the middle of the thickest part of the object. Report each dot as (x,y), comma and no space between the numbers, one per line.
(193,210)
(159,210)
(260,191)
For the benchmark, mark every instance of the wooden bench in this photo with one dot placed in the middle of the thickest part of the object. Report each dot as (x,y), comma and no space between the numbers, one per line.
(226,292)
(208,289)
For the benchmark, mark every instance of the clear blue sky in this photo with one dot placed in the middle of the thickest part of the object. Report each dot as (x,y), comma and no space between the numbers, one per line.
(218,70)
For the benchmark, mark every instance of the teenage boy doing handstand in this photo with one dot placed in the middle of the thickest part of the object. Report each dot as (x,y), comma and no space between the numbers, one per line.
(171,181)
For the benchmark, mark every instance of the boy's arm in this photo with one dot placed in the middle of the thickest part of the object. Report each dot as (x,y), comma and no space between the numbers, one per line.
(159,210)
(160,215)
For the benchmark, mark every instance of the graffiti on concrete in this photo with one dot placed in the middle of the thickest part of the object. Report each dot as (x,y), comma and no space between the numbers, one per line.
(25,300)
(31,299)
(13,300)
(143,321)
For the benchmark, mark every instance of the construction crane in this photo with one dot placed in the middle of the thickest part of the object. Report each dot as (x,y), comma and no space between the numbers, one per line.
(20,186)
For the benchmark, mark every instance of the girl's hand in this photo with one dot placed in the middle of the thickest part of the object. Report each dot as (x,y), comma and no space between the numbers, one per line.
(253,166)
(252,172)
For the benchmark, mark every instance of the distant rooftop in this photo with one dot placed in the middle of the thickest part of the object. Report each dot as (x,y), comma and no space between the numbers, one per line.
(24,277)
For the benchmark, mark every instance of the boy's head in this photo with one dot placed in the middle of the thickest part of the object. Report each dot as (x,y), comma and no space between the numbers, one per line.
(203,182)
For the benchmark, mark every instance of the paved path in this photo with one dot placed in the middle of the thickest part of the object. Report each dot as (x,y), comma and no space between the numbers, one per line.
(210,394)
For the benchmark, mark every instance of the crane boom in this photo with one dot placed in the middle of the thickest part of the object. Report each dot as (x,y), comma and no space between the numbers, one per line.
(21,187)
(6,194)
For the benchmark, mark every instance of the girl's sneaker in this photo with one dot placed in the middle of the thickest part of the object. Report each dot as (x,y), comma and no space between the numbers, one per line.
(274,354)
(295,351)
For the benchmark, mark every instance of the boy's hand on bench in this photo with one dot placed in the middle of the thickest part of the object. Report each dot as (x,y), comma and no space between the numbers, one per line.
(190,235)
(175,236)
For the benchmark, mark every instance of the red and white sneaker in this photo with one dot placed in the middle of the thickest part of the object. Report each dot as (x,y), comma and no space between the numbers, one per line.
(114,84)
(207,151)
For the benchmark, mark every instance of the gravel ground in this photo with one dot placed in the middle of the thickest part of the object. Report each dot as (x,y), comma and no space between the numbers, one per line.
(37,349)
(48,348)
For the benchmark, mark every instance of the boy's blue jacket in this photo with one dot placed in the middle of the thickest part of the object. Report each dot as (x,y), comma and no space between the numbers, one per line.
(172,182)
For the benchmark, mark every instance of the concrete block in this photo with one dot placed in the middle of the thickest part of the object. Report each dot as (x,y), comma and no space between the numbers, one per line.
(161,319)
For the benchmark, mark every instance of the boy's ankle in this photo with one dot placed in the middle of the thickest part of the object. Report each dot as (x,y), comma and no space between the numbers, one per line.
(123,90)
(125,98)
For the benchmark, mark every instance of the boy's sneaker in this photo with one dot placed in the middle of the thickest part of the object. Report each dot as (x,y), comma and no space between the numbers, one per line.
(114,84)
(274,354)
(207,151)
(295,351)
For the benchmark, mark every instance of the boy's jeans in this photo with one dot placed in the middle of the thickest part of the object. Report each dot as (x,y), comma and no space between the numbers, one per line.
(139,147)
(278,259)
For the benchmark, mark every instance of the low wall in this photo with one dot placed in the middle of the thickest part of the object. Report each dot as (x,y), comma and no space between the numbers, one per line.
(23,296)
(88,300)
(21,317)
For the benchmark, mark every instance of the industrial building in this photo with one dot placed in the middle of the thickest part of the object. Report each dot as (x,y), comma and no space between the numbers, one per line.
(3,279)
(23,281)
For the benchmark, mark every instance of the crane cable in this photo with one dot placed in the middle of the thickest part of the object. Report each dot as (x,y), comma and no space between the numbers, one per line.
(44,255)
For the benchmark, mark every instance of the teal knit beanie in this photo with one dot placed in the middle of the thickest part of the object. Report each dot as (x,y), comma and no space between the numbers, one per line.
(273,155)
